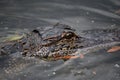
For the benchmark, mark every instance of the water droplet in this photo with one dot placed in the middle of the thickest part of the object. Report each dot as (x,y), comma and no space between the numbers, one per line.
(116,65)
(5,28)
(54,73)
(92,21)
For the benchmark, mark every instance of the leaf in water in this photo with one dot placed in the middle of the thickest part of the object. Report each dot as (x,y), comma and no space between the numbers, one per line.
(14,37)
(114,49)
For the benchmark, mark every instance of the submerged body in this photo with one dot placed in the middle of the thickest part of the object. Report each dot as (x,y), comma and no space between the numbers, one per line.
(59,41)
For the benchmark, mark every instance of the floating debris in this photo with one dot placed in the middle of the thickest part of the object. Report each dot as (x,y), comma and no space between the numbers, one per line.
(114,49)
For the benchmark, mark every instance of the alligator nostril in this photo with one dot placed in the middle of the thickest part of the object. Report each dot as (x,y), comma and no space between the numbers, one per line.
(35,31)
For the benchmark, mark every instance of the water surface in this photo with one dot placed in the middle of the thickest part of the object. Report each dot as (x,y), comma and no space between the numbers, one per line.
(24,15)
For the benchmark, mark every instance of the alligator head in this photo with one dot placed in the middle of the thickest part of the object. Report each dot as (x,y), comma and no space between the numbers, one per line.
(58,41)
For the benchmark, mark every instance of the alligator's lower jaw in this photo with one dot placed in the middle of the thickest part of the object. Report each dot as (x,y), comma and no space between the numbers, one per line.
(67,57)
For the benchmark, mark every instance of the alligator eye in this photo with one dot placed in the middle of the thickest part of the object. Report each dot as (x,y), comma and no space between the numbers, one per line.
(68,35)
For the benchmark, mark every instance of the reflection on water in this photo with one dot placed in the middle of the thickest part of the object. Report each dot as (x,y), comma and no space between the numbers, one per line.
(25,15)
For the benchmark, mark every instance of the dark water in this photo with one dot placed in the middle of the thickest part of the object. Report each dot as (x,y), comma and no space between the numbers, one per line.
(22,15)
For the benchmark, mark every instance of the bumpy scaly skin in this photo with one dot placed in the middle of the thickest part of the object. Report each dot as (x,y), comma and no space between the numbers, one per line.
(59,40)
(43,45)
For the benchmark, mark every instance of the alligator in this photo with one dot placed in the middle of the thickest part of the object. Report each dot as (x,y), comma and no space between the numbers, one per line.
(60,42)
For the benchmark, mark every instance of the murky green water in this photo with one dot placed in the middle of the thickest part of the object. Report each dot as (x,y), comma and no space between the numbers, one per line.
(25,15)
